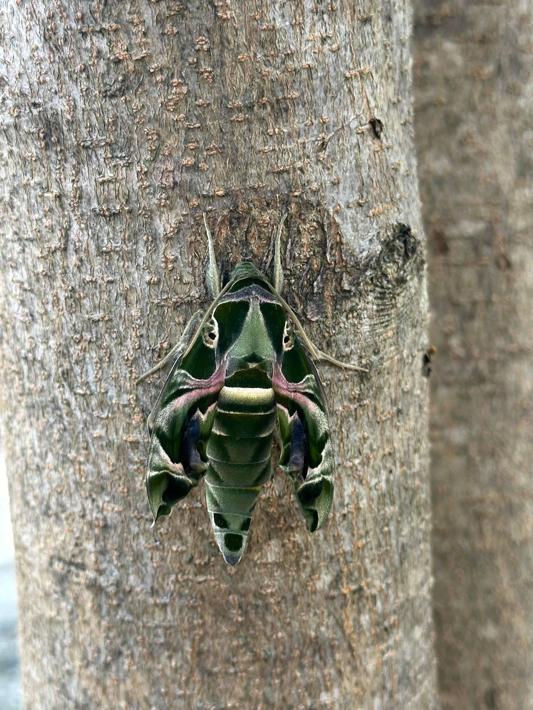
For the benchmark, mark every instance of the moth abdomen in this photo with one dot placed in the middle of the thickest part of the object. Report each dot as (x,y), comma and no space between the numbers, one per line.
(239,457)
(235,475)
(244,425)
(239,450)
(230,509)
(243,499)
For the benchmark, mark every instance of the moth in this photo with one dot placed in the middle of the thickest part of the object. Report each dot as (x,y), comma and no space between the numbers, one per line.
(242,376)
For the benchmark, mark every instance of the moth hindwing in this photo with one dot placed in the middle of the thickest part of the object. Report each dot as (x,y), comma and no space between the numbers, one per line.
(243,374)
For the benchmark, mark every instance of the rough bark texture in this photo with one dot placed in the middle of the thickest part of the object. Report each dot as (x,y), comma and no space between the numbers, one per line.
(122,122)
(475,144)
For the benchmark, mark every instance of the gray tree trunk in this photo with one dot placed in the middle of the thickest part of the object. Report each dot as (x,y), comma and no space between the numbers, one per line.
(474,130)
(121,123)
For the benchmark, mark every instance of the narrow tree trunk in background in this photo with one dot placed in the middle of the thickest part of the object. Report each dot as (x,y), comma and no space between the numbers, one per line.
(474,130)
(122,122)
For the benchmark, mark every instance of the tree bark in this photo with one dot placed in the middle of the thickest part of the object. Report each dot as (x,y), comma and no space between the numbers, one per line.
(474,113)
(122,123)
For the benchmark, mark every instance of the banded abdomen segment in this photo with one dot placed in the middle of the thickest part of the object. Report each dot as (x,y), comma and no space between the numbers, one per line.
(239,453)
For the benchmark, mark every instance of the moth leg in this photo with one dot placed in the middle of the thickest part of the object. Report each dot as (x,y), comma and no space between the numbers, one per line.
(212,276)
(278,268)
(178,349)
(324,357)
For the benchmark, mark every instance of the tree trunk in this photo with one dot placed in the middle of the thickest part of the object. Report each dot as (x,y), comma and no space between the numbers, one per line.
(474,129)
(122,123)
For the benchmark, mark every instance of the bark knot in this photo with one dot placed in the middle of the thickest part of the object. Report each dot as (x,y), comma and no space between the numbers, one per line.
(400,253)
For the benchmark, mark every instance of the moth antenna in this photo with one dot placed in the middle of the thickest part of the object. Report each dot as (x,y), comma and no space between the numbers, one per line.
(212,275)
(278,268)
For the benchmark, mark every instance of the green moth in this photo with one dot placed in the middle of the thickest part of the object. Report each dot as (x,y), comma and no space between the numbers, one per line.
(242,375)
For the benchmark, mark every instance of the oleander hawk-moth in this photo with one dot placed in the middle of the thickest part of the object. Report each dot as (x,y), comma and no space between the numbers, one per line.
(242,375)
